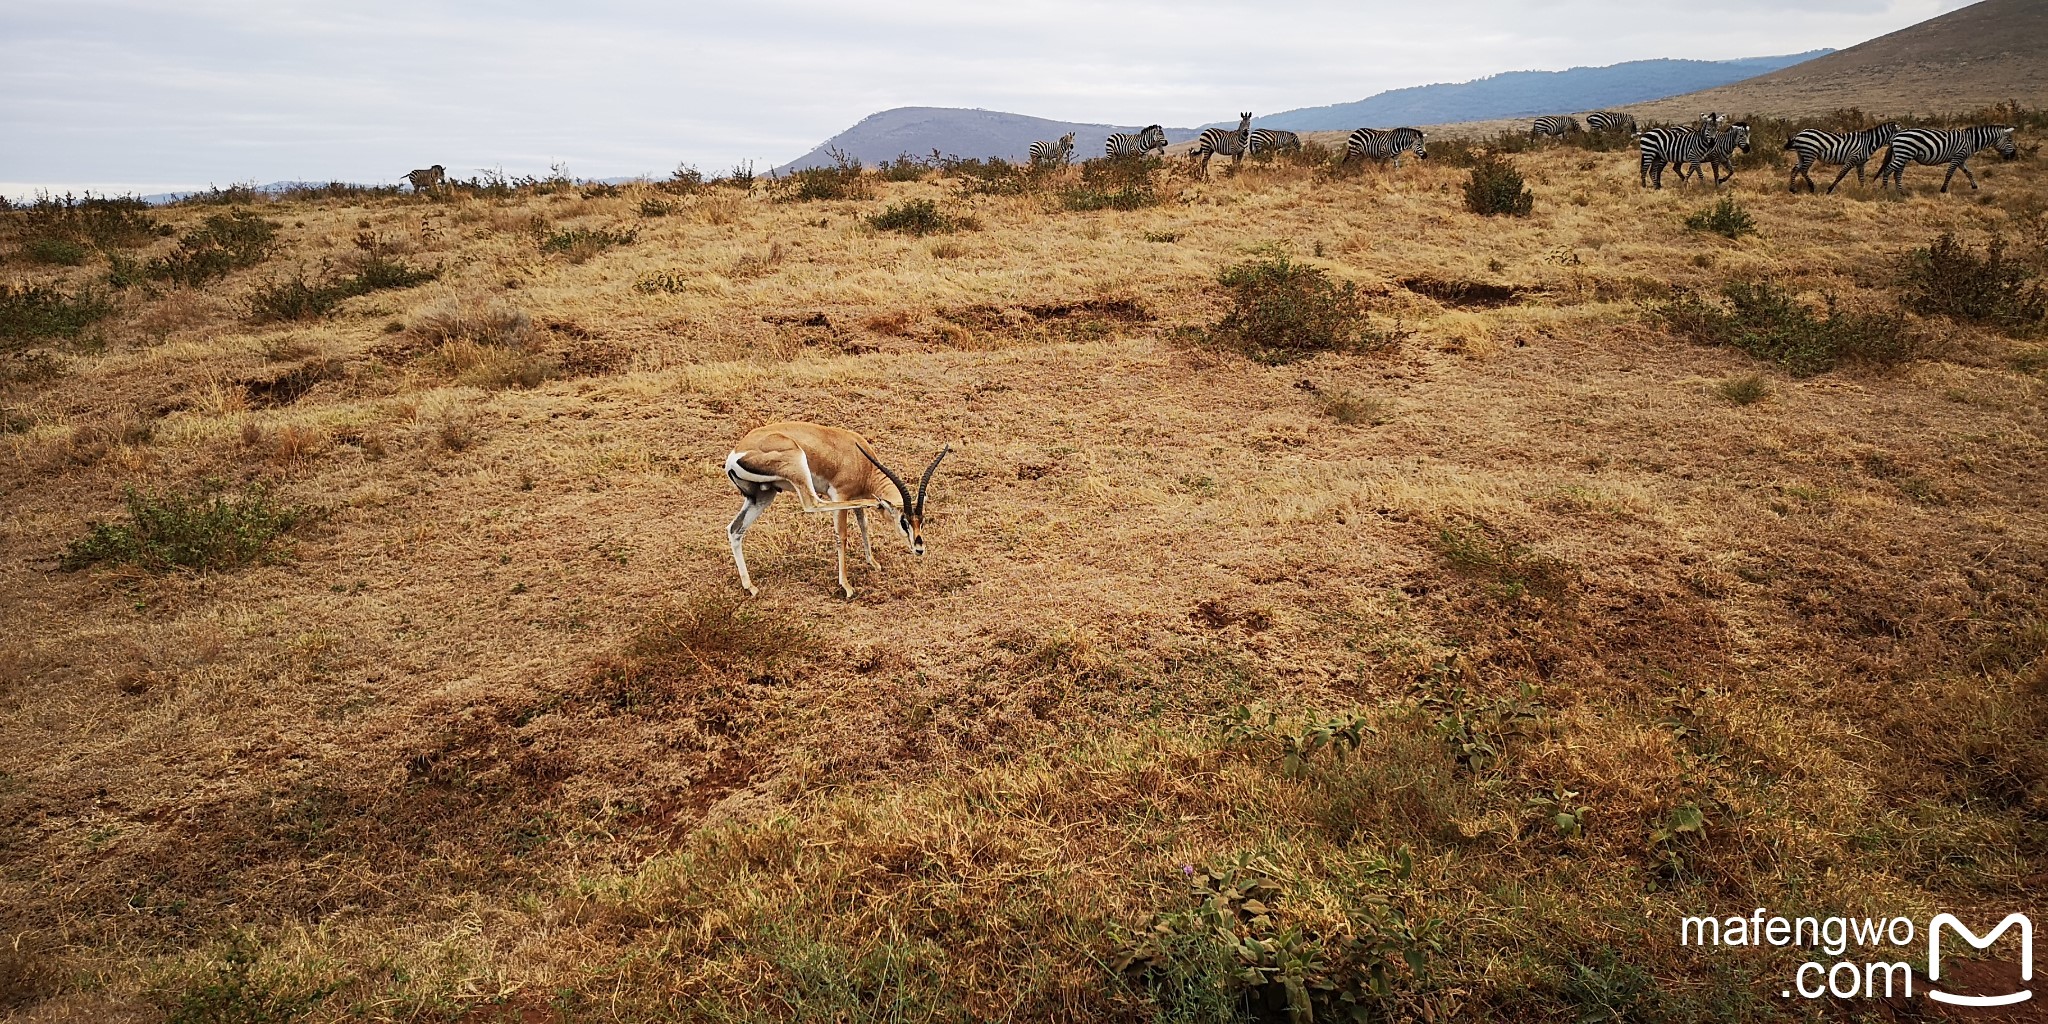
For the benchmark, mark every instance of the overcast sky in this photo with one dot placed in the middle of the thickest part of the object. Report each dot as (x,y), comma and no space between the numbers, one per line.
(118,95)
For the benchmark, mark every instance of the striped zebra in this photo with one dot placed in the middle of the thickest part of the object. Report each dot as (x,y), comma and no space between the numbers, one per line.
(1611,121)
(1053,152)
(1270,140)
(1217,142)
(426,178)
(1943,145)
(1385,143)
(1720,152)
(1556,126)
(1676,146)
(1138,144)
(1850,149)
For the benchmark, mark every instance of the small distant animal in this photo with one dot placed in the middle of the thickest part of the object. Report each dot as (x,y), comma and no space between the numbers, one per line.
(1272,140)
(1061,151)
(1611,121)
(1677,146)
(1385,144)
(1850,149)
(1952,146)
(431,177)
(1135,144)
(828,469)
(1217,142)
(1557,127)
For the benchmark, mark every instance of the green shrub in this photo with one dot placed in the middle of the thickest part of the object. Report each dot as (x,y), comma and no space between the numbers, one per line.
(1726,217)
(226,242)
(1120,183)
(1768,323)
(1282,311)
(53,251)
(580,244)
(918,217)
(37,311)
(904,168)
(180,531)
(992,177)
(653,206)
(294,298)
(233,195)
(1949,278)
(842,180)
(1496,188)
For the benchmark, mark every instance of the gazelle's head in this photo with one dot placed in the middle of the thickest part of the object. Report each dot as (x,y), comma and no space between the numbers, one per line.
(910,516)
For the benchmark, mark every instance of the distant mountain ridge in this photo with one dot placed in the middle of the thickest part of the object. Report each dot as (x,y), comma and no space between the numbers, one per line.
(1528,93)
(956,131)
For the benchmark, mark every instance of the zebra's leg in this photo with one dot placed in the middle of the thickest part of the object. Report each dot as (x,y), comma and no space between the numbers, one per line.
(1844,174)
(1965,168)
(757,503)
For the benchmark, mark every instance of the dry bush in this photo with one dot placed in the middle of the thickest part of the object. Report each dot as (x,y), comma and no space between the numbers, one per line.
(721,209)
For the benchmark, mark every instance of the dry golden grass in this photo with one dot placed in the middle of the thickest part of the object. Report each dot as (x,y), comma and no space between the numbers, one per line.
(497,742)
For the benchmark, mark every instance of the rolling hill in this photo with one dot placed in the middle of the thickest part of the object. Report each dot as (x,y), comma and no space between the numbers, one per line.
(1986,53)
(1523,93)
(955,130)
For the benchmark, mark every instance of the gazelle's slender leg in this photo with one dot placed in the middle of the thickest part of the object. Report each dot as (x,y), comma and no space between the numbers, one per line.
(757,503)
(867,548)
(839,548)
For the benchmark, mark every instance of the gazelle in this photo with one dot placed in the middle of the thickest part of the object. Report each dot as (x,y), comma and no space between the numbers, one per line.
(829,469)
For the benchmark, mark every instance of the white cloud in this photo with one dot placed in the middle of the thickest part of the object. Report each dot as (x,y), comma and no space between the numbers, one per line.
(222,90)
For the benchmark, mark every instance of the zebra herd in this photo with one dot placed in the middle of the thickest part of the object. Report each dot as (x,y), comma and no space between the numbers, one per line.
(1716,140)
(1365,143)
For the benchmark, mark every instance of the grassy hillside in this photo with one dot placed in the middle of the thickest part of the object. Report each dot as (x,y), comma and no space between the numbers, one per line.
(375,651)
(1995,51)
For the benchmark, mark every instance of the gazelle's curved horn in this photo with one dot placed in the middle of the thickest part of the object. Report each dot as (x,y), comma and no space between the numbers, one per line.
(886,471)
(926,483)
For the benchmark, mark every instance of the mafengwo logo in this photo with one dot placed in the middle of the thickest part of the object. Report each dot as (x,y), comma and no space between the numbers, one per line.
(1877,975)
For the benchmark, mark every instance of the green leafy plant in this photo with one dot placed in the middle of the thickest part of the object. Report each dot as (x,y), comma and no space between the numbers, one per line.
(169,530)
(1748,389)
(1726,218)
(1480,731)
(227,242)
(1296,745)
(1282,311)
(1119,183)
(1560,806)
(918,217)
(32,312)
(842,180)
(1767,322)
(1495,188)
(1994,287)
(293,298)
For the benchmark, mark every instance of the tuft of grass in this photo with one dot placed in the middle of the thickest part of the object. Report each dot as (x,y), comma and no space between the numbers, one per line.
(1495,188)
(169,530)
(712,633)
(1282,311)
(1509,567)
(235,990)
(226,242)
(1949,278)
(655,206)
(32,312)
(1726,218)
(1768,323)
(1353,409)
(1748,389)
(919,217)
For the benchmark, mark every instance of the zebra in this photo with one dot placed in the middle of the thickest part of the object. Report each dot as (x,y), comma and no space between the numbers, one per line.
(1128,144)
(1611,121)
(1050,152)
(1943,145)
(431,177)
(1676,146)
(1217,142)
(1271,140)
(1556,127)
(1720,152)
(1385,143)
(1852,150)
